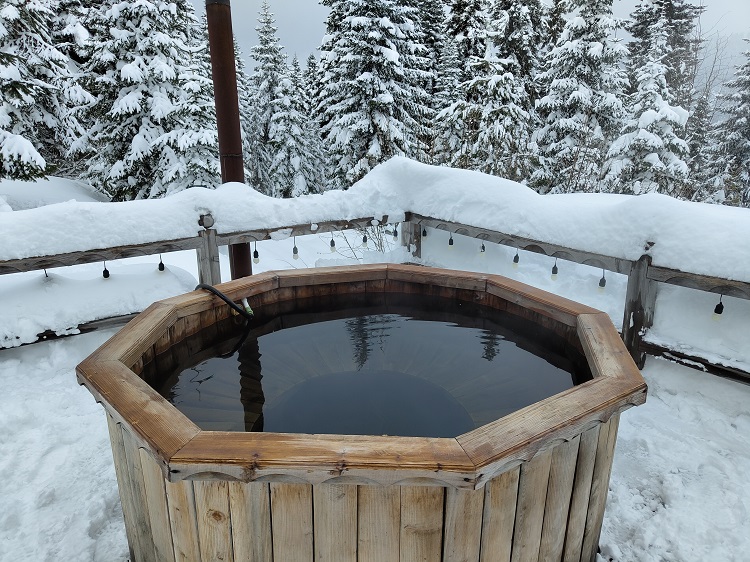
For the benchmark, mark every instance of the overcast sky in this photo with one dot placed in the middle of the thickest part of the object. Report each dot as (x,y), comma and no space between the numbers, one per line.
(301,22)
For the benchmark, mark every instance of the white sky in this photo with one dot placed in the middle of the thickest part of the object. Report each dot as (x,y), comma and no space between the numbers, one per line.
(301,22)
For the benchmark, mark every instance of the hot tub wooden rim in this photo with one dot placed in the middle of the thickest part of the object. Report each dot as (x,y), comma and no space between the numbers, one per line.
(467,461)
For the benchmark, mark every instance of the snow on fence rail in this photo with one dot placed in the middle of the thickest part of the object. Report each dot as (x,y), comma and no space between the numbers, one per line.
(653,239)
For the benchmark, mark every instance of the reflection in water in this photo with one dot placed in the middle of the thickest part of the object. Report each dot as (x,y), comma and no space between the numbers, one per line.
(439,369)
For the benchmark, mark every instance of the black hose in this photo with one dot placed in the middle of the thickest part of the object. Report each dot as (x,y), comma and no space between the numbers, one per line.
(238,309)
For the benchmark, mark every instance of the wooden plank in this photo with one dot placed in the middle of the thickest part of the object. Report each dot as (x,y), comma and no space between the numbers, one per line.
(537,246)
(547,304)
(250,506)
(183,520)
(463,525)
(500,497)
(599,487)
(532,497)
(421,523)
(93,255)
(298,230)
(606,353)
(154,421)
(141,333)
(559,491)
(331,275)
(696,360)
(291,513)
(214,521)
(158,512)
(335,522)
(448,278)
(379,516)
(140,503)
(209,267)
(411,237)
(734,288)
(324,458)
(124,487)
(640,305)
(579,500)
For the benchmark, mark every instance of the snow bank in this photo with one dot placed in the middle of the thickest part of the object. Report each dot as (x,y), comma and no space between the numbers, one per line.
(20,195)
(700,238)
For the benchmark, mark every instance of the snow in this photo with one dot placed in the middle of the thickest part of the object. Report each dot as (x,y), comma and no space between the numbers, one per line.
(685,234)
(20,195)
(678,489)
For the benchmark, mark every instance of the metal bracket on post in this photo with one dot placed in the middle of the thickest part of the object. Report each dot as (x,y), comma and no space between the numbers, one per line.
(209,267)
(640,305)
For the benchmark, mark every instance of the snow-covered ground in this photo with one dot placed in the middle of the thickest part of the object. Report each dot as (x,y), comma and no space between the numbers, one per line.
(678,490)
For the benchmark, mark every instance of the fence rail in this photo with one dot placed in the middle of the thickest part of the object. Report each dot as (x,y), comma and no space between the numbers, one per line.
(643,276)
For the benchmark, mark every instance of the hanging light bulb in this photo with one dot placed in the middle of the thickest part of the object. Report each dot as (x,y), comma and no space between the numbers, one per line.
(161,264)
(554,271)
(424,233)
(256,255)
(602,283)
(395,232)
(516,259)
(364,241)
(105,273)
(295,251)
(482,249)
(450,241)
(719,310)
(333,244)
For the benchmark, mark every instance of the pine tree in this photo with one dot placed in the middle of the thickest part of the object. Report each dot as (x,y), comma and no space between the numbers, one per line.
(448,125)
(372,100)
(32,108)
(247,125)
(650,155)
(297,155)
(271,64)
(190,149)
(583,108)
(555,23)
(733,138)
(467,25)
(139,70)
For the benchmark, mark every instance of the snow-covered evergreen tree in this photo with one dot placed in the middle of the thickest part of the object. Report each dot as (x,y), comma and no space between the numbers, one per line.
(650,154)
(467,26)
(555,23)
(139,69)
(298,162)
(190,150)
(32,105)
(732,137)
(270,66)
(372,98)
(448,123)
(245,95)
(583,108)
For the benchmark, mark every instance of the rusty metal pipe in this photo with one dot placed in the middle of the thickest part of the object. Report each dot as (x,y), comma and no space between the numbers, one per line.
(224,73)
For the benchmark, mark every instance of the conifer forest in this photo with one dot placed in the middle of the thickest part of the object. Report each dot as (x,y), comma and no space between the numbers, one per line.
(561,96)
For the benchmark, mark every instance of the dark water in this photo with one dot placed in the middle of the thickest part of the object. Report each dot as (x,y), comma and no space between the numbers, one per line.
(389,366)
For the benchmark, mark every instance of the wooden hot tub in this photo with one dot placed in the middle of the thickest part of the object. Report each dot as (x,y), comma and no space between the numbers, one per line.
(529,486)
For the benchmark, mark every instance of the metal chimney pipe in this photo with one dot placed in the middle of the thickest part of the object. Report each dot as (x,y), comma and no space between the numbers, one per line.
(224,73)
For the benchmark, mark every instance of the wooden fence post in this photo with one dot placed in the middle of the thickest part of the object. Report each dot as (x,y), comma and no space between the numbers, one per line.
(209,267)
(640,304)
(411,237)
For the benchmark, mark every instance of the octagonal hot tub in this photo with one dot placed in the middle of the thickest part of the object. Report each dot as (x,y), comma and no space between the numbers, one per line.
(496,481)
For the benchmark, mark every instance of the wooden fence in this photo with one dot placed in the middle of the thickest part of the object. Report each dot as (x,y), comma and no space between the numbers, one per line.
(643,276)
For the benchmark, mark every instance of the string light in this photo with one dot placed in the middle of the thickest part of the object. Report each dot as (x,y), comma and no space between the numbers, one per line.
(161,263)
(516,259)
(295,251)
(424,233)
(333,244)
(482,249)
(719,310)
(105,273)
(256,255)
(395,232)
(602,283)
(450,241)
(364,241)
(554,271)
